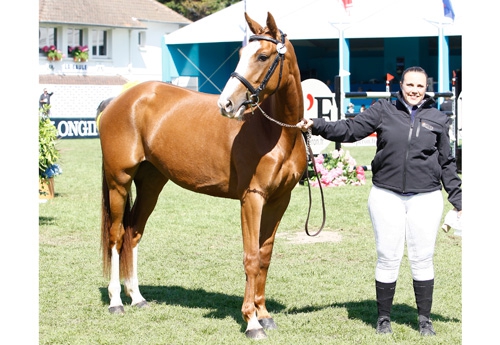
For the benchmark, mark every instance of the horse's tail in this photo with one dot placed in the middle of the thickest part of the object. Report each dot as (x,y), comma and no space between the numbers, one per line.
(100,109)
(126,247)
(105,227)
(103,105)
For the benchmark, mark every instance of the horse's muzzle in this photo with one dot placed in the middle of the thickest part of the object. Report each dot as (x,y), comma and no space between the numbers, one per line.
(227,109)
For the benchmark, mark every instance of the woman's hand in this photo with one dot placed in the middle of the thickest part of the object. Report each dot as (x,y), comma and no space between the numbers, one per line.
(305,124)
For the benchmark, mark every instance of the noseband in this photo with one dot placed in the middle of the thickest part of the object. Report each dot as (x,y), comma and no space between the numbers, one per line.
(281,49)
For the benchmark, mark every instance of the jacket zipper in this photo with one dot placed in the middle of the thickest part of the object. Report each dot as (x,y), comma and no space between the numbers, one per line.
(406,157)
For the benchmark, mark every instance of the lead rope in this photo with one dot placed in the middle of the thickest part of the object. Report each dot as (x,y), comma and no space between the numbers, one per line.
(309,155)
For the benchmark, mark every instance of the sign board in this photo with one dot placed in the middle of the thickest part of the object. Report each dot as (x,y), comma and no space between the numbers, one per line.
(319,102)
(73,128)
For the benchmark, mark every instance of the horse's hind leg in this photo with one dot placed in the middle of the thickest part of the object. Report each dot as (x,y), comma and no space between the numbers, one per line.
(117,199)
(149,183)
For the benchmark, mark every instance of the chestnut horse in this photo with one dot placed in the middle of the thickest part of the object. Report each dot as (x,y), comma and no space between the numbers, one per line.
(155,132)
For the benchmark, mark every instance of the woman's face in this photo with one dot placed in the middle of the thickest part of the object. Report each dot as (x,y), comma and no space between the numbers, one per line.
(413,87)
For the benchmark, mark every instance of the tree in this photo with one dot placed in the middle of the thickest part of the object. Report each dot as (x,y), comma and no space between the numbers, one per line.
(197,9)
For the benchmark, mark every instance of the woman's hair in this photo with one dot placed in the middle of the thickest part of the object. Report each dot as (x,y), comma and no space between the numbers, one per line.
(413,69)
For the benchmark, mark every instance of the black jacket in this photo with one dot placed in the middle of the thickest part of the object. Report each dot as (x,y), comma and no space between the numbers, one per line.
(409,158)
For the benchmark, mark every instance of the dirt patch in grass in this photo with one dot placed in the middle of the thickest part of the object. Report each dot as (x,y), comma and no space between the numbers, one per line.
(302,238)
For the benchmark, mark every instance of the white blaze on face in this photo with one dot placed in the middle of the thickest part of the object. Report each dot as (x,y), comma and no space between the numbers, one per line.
(247,53)
(229,100)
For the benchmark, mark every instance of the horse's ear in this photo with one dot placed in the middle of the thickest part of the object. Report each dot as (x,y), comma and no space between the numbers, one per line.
(271,25)
(255,27)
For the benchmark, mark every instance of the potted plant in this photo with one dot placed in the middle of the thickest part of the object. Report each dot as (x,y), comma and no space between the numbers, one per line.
(53,54)
(79,53)
(48,155)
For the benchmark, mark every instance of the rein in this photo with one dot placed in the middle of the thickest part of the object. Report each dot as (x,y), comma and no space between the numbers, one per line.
(253,101)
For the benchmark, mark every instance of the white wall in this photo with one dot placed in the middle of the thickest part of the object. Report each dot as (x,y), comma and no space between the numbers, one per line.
(78,101)
(125,58)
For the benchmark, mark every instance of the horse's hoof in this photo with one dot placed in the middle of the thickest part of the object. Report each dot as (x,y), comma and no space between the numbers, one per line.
(141,304)
(268,323)
(117,310)
(256,334)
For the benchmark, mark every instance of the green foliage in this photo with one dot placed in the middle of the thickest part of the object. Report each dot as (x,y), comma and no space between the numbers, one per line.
(197,9)
(52,52)
(191,272)
(79,53)
(48,154)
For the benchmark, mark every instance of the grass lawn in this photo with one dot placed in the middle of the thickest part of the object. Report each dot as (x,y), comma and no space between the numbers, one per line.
(191,271)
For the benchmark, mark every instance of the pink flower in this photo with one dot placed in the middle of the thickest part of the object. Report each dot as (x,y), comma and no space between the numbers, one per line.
(360,174)
(320,159)
(337,169)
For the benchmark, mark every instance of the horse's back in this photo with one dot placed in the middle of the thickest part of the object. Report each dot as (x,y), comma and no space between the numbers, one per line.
(154,99)
(176,129)
(151,108)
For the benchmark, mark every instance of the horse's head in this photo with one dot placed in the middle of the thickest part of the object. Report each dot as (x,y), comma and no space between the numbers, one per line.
(254,78)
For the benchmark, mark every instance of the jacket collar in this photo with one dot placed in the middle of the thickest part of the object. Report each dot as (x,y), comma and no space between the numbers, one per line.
(427,102)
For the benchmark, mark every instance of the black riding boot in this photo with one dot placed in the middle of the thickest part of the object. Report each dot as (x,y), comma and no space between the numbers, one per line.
(385,296)
(423,296)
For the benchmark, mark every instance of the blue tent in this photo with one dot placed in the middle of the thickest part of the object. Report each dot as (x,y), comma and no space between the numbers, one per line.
(375,38)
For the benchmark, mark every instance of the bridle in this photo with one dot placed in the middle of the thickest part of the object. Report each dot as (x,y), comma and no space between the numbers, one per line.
(253,98)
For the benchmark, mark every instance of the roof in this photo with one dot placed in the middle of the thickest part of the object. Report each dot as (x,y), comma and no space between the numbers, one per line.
(324,19)
(111,13)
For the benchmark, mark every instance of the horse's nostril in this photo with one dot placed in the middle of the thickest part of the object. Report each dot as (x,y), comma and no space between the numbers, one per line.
(229,105)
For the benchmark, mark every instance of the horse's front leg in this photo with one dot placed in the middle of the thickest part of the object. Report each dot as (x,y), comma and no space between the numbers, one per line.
(251,210)
(265,319)
(271,216)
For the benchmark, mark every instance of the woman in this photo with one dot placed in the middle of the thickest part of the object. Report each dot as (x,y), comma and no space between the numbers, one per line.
(412,163)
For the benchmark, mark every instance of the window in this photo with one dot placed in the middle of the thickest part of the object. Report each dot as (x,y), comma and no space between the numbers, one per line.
(99,43)
(75,38)
(142,39)
(46,37)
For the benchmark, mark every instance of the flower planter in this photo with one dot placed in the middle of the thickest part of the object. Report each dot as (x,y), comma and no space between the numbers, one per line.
(46,189)
(79,53)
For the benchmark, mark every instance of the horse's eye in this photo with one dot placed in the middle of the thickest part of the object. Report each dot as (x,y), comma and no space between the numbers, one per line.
(263,57)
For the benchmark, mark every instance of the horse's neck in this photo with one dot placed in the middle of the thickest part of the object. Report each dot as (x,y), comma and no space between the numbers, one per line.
(289,102)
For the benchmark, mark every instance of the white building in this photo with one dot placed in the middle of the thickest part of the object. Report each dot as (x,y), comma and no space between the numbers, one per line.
(123,37)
